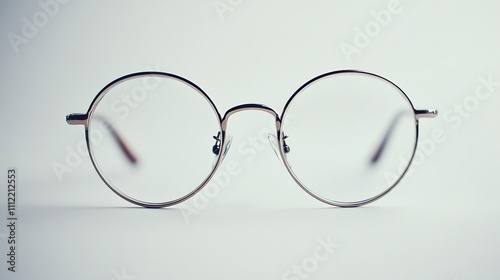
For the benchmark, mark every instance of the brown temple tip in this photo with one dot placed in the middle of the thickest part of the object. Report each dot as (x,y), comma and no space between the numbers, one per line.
(381,147)
(119,140)
(377,154)
(126,150)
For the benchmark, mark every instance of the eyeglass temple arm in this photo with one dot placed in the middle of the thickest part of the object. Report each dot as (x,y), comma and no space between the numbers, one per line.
(381,147)
(82,119)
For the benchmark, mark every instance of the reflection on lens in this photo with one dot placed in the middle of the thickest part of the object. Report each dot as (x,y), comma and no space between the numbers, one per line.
(351,138)
(145,142)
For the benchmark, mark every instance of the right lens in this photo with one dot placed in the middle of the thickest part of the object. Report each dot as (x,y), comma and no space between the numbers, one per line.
(351,136)
(151,137)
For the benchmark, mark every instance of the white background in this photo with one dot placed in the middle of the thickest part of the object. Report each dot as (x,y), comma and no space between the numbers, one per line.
(441,222)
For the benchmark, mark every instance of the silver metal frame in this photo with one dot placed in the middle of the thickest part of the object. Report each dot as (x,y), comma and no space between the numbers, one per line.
(417,114)
(83,119)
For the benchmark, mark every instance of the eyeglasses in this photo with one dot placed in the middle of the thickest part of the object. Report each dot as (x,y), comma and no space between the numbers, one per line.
(346,137)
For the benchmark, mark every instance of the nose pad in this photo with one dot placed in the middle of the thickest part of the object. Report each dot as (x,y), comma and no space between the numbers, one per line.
(228,145)
(216,147)
(274,144)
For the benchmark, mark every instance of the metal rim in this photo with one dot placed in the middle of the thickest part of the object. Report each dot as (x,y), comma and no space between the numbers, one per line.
(84,119)
(295,177)
(116,190)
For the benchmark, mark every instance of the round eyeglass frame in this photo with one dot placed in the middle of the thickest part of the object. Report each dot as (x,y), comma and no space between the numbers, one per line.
(84,119)
(391,187)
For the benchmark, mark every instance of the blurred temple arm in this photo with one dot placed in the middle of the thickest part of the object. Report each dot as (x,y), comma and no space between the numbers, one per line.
(381,147)
(82,119)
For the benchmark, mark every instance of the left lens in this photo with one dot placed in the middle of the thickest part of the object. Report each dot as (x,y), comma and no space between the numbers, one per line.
(351,136)
(151,137)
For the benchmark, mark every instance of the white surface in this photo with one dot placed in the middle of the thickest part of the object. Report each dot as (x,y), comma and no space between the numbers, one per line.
(440,223)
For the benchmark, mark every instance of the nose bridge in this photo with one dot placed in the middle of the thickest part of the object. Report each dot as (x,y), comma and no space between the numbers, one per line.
(251,107)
